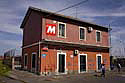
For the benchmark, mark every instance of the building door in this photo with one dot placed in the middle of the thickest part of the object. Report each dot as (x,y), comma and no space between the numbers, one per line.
(25,60)
(99,60)
(82,63)
(61,63)
(34,57)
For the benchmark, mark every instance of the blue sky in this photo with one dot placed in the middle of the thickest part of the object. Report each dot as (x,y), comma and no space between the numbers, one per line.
(102,12)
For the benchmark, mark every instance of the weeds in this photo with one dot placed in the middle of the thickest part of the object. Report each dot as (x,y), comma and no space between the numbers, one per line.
(4,70)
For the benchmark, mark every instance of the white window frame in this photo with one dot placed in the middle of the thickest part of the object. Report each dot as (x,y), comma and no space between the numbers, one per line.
(84,32)
(97,61)
(65,30)
(24,60)
(79,63)
(100,36)
(58,63)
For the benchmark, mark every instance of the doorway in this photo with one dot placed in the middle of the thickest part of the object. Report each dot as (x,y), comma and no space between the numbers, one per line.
(25,61)
(82,63)
(33,61)
(98,61)
(61,62)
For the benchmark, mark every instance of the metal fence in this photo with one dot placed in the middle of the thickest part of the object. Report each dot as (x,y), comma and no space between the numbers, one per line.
(11,59)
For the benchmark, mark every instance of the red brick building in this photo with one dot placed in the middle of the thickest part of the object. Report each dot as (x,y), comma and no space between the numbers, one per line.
(59,44)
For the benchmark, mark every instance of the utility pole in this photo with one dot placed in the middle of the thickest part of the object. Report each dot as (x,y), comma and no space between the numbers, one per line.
(122,49)
(110,48)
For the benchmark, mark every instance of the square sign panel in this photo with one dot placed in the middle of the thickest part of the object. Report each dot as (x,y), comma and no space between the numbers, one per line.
(51,29)
(43,55)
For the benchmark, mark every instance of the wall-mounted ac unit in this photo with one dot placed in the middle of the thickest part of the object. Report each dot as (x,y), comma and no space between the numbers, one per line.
(90,29)
(76,52)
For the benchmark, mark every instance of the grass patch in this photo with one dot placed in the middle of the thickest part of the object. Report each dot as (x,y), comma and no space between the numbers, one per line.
(4,69)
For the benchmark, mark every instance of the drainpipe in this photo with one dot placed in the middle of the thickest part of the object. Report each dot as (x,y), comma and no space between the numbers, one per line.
(39,59)
(39,47)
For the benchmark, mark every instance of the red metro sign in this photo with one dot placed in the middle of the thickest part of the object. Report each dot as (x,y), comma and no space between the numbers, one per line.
(51,29)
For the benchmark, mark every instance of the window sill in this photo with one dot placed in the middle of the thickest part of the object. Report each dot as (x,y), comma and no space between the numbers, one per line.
(61,37)
(98,42)
(82,39)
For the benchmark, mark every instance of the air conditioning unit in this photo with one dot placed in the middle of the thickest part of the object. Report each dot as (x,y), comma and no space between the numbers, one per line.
(90,29)
(76,52)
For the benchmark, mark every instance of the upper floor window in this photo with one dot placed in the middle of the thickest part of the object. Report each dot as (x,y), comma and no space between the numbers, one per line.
(82,33)
(62,29)
(98,36)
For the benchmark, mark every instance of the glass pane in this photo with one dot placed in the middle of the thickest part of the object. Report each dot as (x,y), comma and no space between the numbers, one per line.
(33,60)
(98,36)
(82,33)
(25,61)
(61,63)
(61,30)
(99,62)
(82,63)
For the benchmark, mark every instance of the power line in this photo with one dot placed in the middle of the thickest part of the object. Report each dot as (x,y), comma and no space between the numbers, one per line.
(69,7)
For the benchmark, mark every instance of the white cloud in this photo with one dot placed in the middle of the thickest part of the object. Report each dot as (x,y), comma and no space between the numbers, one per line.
(89,19)
(91,14)
(10,44)
(118,14)
(10,14)
(118,31)
(7,17)
(15,43)
(10,28)
(117,41)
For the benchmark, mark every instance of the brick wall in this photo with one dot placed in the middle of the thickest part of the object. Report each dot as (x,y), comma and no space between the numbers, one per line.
(49,64)
(72,34)
(29,51)
(32,29)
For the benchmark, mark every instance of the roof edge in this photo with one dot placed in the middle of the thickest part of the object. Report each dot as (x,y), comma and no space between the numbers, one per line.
(52,13)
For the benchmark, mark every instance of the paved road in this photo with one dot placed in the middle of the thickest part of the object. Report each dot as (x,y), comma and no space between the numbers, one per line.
(17,76)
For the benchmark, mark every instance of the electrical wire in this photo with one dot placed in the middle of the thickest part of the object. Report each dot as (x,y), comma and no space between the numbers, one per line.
(69,7)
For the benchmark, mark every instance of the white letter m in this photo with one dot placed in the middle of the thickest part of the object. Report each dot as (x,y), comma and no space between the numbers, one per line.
(51,29)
